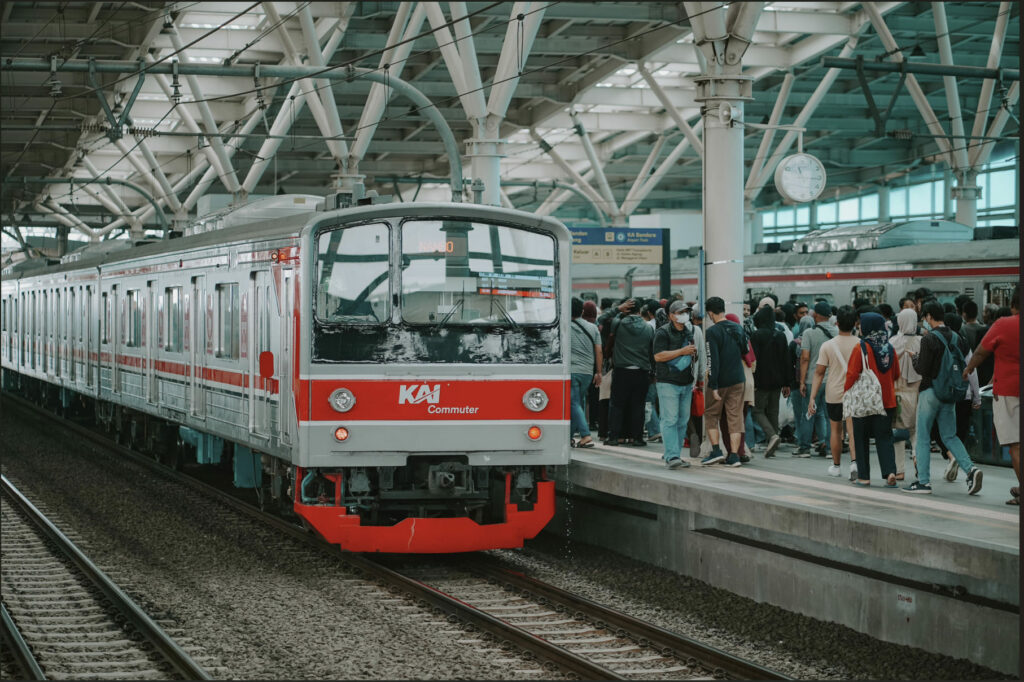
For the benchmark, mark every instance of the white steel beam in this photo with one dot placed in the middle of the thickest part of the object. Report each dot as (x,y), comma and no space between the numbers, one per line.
(769,134)
(663,168)
(754,188)
(982,153)
(916,93)
(645,171)
(470,65)
(395,57)
(958,156)
(158,173)
(518,43)
(228,177)
(742,18)
(595,164)
(107,189)
(985,99)
(663,97)
(574,175)
(472,101)
(325,86)
(66,217)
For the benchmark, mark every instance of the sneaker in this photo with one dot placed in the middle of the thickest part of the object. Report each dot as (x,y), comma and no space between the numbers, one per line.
(853,471)
(656,438)
(802,452)
(676,463)
(714,458)
(639,443)
(918,487)
(821,450)
(952,467)
(834,470)
(733,460)
(744,459)
(974,480)
(612,441)
(773,445)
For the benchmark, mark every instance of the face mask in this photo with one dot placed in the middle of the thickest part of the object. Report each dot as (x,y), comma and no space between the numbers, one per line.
(926,325)
(683,318)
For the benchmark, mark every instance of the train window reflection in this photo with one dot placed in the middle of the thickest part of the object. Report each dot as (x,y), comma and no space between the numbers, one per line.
(352,284)
(467,273)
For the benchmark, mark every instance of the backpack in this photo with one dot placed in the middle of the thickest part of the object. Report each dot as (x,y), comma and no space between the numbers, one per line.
(949,384)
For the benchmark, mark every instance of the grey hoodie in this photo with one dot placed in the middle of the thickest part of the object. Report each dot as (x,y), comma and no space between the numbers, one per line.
(812,340)
(632,346)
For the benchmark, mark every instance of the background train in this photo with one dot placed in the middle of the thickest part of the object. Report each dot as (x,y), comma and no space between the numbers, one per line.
(397,373)
(879,263)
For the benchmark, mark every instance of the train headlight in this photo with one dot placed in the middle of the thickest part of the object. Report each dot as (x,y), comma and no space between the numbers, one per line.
(535,400)
(342,400)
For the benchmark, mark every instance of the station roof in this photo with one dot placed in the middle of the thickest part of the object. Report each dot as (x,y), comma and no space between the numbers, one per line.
(586,56)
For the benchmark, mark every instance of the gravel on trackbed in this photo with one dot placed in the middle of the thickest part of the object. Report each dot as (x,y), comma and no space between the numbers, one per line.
(259,606)
(796,645)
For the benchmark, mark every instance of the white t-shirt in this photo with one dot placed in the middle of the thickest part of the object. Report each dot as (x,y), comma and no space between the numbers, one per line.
(835,356)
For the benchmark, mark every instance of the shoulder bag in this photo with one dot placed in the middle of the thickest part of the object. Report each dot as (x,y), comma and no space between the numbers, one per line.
(864,398)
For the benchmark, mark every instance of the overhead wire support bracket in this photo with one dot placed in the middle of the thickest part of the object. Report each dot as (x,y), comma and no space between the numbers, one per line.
(116,130)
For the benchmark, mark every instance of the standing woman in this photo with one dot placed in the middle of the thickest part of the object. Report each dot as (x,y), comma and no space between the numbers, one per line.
(906,343)
(881,359)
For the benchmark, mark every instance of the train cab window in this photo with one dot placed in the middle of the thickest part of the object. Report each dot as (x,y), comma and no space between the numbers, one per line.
(476,274)
(134,330)
(352,275)
(171,319)
(227,320)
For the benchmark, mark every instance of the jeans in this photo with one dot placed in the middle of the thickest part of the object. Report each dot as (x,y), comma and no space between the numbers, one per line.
(748,425)
(653,424)
(766,410)
(675,415)
(879,427)
(931,410)
(626,412)
(805,427)
(579,383)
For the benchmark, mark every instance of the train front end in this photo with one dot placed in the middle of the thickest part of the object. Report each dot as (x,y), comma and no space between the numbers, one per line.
(433,394)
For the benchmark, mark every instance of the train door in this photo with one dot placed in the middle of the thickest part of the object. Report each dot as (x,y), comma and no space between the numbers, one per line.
(149,341)
(285,409)
(88,361)
(999,293)
(116,315)
(261,359)
(197,345)
(75,322)
(872,294)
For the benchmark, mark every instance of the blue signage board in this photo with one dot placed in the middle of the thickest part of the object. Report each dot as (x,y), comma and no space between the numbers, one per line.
(610,236)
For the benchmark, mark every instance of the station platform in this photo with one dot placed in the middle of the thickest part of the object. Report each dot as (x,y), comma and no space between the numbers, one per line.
(939,572)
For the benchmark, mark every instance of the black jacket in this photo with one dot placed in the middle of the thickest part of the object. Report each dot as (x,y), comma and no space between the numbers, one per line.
(772,353)
(929,360)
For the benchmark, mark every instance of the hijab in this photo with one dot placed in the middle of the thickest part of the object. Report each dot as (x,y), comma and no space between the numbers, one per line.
(805,323)
(764,318)
(907,341)
(590,311)
(748,357)
(872,332)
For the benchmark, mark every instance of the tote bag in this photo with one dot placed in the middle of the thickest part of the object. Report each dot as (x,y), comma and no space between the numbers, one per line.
(865,396)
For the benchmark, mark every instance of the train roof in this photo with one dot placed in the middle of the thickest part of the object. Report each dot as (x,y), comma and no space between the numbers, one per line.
(883,235)
(281,226)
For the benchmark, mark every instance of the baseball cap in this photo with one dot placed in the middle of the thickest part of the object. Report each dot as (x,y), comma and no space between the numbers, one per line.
(678,307)
(767,300)
(823,309)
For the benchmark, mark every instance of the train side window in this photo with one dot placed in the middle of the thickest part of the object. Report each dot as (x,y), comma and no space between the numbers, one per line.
(134,330)
(228,320)
(171,319)
(105,319)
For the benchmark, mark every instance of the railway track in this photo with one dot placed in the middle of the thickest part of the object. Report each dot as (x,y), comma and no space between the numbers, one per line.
(565,632)
(64,618)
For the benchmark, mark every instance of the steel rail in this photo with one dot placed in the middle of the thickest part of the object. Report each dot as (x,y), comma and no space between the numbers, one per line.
(679,645)
(19,648)
(163,642)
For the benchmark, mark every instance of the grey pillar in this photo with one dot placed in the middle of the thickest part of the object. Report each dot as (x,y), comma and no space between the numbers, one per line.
(722,97)
(812,209)
(967,194)
(883,204)
(947,198)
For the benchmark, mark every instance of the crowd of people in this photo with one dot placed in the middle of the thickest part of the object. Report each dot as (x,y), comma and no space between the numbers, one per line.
(909,380)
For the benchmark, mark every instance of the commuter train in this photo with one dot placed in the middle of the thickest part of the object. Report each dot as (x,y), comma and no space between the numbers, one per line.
(838,268)
(395,373)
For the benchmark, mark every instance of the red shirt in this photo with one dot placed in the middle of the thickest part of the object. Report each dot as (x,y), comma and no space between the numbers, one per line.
(1003,340)
(886,379)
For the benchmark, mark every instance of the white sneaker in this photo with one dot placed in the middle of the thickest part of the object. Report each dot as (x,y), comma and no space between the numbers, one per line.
(952,468)
(834,470)
(853,471)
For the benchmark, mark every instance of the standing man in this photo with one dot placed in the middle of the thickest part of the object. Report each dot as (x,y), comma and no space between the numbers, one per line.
(810,347)
(630,339)
(678,364)
(1003,342)
(584,370)
(833,358)
(932,406)
(726,347)
(770,349)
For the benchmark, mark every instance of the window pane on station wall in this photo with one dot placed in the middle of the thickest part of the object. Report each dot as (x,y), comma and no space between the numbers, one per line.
(869,207)
(1001,189)
(849,210)
(921,199)
(898,201)
(803,215)
(827,213)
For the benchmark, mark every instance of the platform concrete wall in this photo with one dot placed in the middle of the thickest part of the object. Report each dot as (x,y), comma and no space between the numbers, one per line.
(825,566)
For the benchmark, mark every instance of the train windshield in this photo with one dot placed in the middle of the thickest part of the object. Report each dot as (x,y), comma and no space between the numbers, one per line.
(457,273)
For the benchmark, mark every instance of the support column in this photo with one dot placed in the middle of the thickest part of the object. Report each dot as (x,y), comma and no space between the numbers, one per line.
(967,194)
(752,233)
(723,185)
(883,203)
(485,153)
(812,210)
(947,198)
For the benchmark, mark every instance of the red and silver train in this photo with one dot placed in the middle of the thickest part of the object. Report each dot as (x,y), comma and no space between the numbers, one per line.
(986,269)
(397,373)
